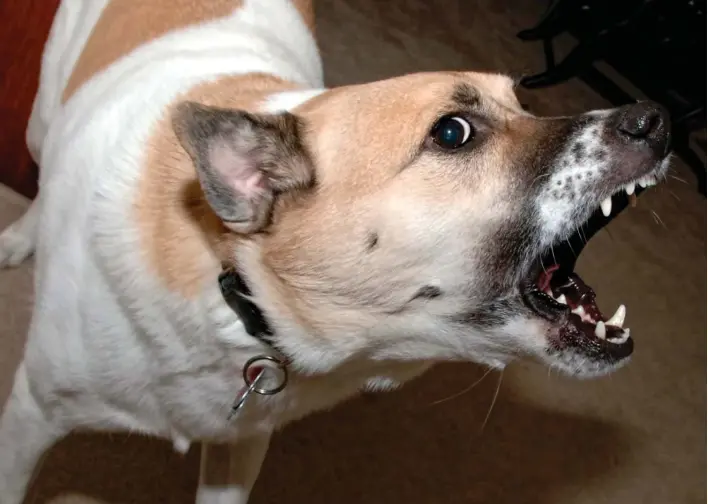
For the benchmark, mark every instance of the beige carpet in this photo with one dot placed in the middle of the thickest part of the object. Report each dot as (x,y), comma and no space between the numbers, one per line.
(636,437)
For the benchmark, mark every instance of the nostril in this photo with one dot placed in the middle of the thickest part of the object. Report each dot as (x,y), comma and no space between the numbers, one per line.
(645,124)
(641,126)
(639,121)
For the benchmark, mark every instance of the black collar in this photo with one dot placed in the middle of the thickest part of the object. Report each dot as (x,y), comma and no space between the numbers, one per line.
(236,294)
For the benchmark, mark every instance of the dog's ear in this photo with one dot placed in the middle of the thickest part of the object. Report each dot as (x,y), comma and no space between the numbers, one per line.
(243,161)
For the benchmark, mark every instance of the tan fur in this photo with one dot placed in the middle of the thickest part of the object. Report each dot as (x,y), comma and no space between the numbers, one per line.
(186,241)
(307,11)
(363,140)
(384,122)
(182,235)
(125,25)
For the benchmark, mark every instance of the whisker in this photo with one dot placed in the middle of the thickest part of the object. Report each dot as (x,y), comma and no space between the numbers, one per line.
(657,219)
(540,177)
(678,178)
(494,401)
(674,195)
(463,391)
(543,266)
(577,230)
(571,247)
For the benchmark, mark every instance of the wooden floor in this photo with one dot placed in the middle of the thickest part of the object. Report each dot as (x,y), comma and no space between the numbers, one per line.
(25,24)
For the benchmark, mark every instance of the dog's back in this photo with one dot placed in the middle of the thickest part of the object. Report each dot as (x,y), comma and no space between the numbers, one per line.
(111,72)
(375,228)
(88,37)
(97,183)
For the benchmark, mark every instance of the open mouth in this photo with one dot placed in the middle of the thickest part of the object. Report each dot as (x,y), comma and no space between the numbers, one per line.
(562,297)
(558,294)
(578,336)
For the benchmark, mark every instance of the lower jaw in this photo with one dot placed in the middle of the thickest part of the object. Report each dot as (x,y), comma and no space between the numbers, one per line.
(579,365)
(571,341)
(580,332)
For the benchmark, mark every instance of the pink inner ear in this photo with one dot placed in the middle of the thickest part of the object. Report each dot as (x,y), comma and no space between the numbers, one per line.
(235,170)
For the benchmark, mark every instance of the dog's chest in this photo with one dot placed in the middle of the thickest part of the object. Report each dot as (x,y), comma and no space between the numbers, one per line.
(201,394)
(197,374)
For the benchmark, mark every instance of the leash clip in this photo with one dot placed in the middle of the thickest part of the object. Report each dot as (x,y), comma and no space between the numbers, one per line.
(264,375)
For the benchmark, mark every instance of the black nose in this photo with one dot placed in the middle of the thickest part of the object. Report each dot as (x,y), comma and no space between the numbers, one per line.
(647,123)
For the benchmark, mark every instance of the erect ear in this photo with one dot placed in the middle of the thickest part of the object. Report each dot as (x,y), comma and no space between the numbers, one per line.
(243,160)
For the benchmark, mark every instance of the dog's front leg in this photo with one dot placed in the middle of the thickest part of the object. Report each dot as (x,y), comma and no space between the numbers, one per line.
(25,434)
(228,472)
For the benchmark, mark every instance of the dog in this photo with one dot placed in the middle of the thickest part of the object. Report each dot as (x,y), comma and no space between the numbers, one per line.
(223,245)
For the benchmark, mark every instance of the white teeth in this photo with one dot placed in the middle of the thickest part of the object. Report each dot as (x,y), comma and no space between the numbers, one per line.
(622,339)
(561,299)
(625,336)
(629,188)
(600,330)
(617,319)
(580,312)
(647,181)
(606,206)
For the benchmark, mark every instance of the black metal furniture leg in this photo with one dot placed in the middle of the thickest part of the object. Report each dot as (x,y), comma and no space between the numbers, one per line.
(584,54)
(551,24)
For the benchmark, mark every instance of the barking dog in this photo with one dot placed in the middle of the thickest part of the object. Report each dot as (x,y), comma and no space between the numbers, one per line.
(223,245)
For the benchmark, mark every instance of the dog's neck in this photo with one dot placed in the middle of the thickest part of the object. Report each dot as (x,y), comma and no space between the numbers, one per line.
(186,244)
(185,241)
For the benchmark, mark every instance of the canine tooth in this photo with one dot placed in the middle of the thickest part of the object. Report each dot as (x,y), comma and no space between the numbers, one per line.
(580,312)
(617,319)
(629,188)
(600,330)
(625,336)
(606,206)
(561,299)
(622,339)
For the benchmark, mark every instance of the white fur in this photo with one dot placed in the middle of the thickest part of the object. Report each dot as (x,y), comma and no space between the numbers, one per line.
(175,364)
(559,205)
(95,300)
(239,464)
(18,241)
(288,100)
(71,28)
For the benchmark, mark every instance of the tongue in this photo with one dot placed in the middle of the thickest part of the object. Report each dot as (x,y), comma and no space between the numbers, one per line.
(544,279)
(577,294)
(580,298)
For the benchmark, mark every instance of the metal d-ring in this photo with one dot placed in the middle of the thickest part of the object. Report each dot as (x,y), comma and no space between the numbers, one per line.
(279,364)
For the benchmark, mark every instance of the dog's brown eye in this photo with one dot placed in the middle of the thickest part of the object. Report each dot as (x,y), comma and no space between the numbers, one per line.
(452,132)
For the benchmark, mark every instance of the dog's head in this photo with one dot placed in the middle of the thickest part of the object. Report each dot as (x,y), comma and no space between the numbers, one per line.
(413,218)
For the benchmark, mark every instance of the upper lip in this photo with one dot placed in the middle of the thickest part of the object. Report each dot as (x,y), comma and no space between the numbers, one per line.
(629,188)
